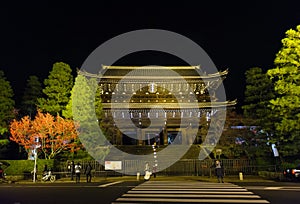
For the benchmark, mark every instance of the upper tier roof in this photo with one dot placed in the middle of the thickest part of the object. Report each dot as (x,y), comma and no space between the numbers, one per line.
(134,72)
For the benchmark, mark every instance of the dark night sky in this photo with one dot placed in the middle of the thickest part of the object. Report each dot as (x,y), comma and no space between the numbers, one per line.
(237,36)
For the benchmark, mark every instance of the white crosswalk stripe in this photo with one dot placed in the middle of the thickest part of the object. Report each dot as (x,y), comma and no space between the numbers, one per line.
(188,192)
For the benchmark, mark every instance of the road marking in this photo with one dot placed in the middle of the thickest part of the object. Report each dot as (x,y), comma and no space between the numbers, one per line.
(109,184)
(189,192)
(273,188)
(190,196)
(186,200)
(193,189)
(192,192)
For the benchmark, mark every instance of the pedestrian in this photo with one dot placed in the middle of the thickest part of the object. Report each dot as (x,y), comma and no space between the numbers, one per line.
(154,169)
(71,168)
(219,171)
(77,172)
(88,172)
(147,172)
(147,167)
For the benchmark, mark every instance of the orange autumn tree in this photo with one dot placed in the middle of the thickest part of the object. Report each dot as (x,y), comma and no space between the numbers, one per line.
(22,133)
(55,134)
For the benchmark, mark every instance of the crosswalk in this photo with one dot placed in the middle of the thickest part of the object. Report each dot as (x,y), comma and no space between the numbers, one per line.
(188,192)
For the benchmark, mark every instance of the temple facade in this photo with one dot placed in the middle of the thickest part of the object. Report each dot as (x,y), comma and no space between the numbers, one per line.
(158,104)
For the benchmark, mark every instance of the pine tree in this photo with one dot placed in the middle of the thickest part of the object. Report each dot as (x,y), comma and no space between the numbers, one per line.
(32,92)
(286,78)
(6,103)
(259,91)
(86,110)
(57,89)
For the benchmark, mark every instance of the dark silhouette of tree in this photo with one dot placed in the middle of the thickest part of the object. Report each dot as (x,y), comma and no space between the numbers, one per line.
(32,92)
(7,103)
(259,91)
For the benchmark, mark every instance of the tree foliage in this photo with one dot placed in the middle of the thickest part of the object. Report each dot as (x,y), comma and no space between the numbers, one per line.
(55,134)
(241,140)
(286,78)
(57,89)
(259,91)
(6,103)
(87,110)
(32,92)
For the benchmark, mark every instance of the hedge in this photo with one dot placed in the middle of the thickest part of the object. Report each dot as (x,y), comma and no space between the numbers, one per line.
(19,167)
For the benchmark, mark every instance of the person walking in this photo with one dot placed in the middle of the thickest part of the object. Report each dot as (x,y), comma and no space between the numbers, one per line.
(219,171)
(147,171)
(88,172)
(77,172)
(154,169)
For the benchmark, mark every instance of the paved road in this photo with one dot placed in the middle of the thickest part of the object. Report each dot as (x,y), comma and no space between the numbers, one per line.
(275,192)
(189,192)
(64,193)
(166,190)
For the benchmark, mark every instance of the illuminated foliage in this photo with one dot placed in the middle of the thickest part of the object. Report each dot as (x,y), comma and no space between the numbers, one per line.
(286,78)
(57,89)
(55,134)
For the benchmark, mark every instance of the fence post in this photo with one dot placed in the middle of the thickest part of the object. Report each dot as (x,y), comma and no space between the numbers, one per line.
(241,176)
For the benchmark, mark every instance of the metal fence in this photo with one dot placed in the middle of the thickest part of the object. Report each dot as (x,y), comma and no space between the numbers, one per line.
(184,167)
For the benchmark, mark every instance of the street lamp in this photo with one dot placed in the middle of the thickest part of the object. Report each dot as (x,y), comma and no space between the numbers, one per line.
(36,146)
(219,152)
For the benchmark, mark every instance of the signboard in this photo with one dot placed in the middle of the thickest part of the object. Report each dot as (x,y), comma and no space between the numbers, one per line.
(275,151)
(113,165)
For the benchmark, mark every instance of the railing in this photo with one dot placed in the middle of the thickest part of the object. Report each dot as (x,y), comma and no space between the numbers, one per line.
(183,167)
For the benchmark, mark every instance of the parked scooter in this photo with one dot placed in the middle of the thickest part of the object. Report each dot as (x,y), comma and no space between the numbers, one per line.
(2,173)
(48,177)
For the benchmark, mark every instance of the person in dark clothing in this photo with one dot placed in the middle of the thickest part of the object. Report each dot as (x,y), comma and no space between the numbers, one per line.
(88,172)
(71,168)
(219,171)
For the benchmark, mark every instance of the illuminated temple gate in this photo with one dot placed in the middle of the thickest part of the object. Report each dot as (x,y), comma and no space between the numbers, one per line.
(161,102)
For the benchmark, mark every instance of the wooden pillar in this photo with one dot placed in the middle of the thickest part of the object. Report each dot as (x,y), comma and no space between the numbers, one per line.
(184,136)
(165,135)
(140,135)
(119,136)
(189,135)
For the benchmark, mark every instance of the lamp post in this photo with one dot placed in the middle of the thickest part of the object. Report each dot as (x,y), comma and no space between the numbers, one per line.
(219,152)
(36,146)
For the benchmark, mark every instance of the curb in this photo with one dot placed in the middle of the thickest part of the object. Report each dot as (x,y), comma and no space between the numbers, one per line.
(158,178)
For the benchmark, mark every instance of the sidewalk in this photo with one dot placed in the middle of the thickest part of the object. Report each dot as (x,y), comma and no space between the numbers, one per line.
(158,178)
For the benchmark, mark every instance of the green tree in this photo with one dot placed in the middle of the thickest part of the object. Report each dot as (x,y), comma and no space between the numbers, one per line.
(286,78)
(87,109)
(32,92)
(57,89)
(259,91)
(81,81)
(7,103)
